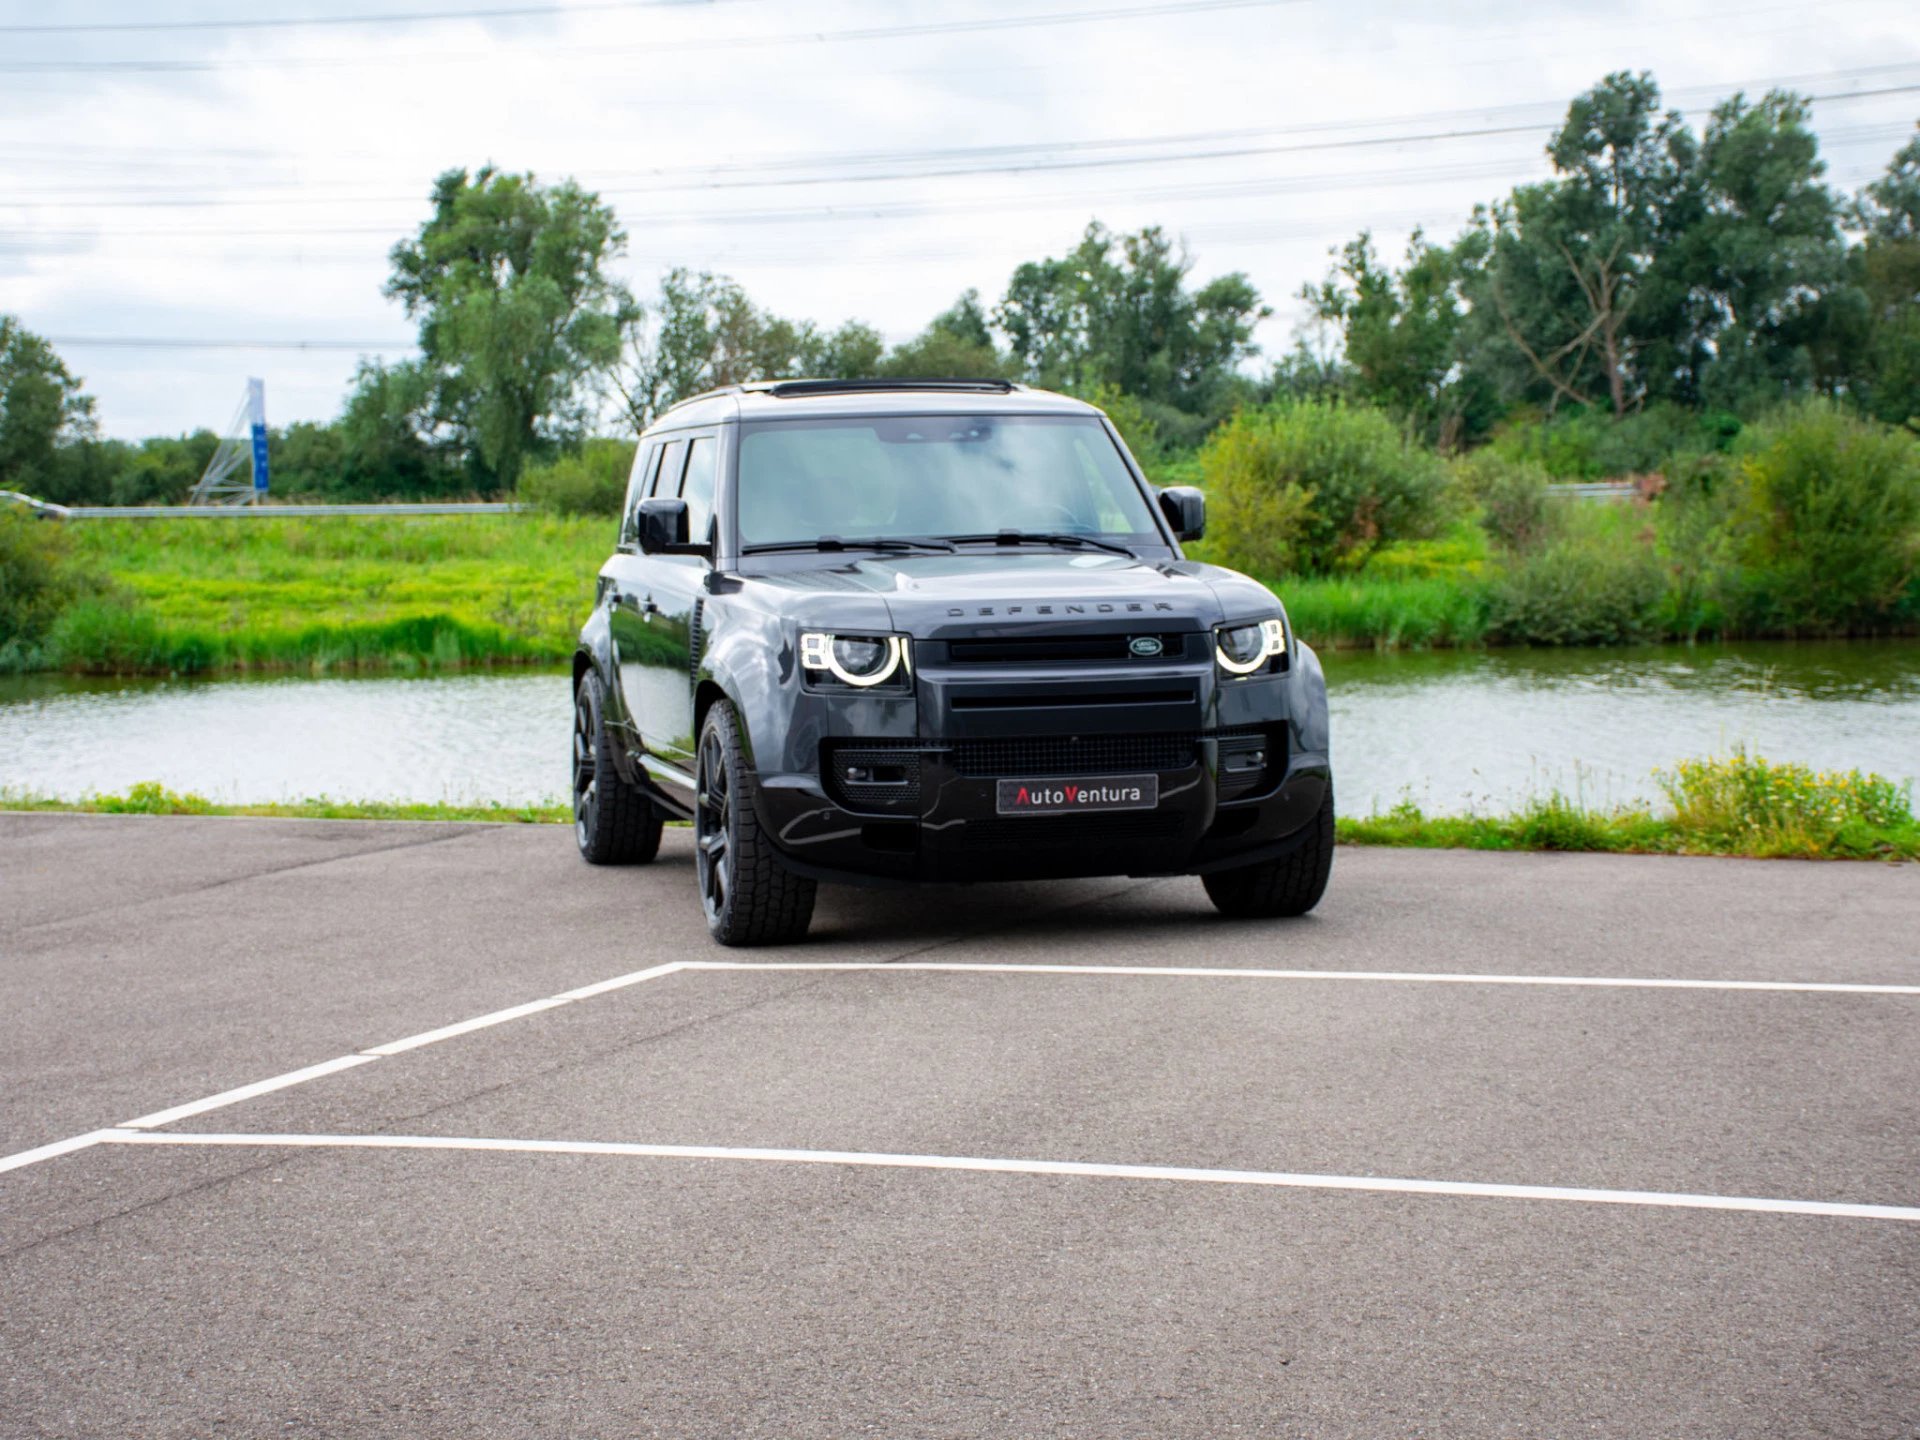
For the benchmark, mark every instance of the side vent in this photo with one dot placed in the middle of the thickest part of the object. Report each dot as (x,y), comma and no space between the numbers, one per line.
(696,639)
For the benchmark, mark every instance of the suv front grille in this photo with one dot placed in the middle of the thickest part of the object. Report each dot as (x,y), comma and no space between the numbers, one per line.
(1050,755)
(1065,649)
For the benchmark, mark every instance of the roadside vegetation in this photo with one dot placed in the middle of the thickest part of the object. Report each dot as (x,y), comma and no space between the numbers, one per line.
(342,593)
(1738,805)
(1690,311)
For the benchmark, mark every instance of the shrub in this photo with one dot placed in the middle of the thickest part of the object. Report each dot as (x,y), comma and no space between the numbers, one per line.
(1598,584)
(1594,445)
(38,581)
(589,481)
(1317,486)
(1516,508)
(1831,523)
(1764,808)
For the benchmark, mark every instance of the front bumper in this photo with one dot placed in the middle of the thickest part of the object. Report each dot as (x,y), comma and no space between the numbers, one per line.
(907,790)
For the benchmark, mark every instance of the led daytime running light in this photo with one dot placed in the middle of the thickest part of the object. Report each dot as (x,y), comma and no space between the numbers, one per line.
(1273,641)
(816,653)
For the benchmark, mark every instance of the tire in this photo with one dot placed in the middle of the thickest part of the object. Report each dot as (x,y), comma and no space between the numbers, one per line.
(613,822)
(750,899)
(1289,885)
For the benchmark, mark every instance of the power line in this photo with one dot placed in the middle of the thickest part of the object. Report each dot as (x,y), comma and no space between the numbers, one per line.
(515,12)
(1190,156)
(723,42)
(143,342)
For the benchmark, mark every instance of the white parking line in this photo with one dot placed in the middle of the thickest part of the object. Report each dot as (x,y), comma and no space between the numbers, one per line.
(1399,977)
(621,982)
(1077,1168)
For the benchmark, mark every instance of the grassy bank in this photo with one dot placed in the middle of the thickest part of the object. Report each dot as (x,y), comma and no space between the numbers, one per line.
(1741,805)
(339,593)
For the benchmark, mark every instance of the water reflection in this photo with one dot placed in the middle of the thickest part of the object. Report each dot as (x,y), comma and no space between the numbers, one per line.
(1451,730)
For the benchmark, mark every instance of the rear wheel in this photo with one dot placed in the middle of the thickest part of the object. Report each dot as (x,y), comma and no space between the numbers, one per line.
(1289,885)
(613,822)
(750,898)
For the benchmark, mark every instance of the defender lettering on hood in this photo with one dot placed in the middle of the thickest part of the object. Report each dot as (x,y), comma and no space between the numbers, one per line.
(1096,607)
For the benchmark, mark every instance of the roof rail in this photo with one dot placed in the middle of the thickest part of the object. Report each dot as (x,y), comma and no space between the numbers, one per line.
(796,389)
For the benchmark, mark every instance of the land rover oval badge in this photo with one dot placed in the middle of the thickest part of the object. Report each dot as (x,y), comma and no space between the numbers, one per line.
(1144,645)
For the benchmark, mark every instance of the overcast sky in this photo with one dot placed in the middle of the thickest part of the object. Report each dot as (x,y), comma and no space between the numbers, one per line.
(244,183)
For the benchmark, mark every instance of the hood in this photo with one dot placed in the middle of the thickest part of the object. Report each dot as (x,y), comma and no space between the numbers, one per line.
(926,594)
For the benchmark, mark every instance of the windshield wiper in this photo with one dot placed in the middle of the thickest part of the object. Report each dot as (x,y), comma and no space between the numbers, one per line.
(1043,537)
(840,542)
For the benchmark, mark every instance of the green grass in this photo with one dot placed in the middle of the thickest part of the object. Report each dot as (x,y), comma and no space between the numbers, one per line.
(1737,805)
(1740,805)
(149,798)
(338,593)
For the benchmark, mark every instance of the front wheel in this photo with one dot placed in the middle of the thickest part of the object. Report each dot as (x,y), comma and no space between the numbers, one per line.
(750,898)
(613,822)
(1290,885)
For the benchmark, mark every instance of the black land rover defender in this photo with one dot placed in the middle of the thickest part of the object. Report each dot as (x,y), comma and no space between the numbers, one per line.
(889,631)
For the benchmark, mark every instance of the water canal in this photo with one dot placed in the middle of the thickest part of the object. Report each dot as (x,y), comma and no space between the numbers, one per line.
(1453,730)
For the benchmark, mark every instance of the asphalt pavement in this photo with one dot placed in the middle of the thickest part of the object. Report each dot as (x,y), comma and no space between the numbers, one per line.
(343,1129)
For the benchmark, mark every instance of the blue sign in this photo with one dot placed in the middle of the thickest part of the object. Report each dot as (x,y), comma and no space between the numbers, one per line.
(260,459)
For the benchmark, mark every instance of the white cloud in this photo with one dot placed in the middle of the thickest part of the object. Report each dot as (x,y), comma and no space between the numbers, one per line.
(349,136)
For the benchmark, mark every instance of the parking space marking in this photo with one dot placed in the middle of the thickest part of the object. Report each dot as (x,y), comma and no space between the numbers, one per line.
(620,982)
(59,1147)
(1277,1179)
(247,1092)
(331,1067)
(1413,977)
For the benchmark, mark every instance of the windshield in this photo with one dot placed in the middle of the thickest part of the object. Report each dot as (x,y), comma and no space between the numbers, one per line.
(932,475)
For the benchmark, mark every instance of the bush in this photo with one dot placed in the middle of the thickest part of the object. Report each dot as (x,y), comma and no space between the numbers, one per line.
(1831,521)
(1516,508)
(1595,445)
(38,581)
(1317,487)
(1760,807)
(1598,584)
(590,481)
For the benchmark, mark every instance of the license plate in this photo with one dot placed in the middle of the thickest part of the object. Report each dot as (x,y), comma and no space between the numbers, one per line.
(1079,797)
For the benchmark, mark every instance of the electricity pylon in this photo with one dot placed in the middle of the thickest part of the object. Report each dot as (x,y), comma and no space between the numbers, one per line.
(245,445)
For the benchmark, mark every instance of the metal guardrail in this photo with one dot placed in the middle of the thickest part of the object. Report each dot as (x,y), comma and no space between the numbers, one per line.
(47,510)
(1595,490)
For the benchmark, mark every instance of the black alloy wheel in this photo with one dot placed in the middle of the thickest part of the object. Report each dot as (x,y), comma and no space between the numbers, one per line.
(614,823)
(749,897)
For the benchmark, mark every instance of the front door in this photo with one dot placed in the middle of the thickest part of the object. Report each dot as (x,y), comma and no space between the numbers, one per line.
(654,621)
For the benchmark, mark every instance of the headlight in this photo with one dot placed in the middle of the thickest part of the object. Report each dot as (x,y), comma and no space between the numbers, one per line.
(1243,649)
(859,660)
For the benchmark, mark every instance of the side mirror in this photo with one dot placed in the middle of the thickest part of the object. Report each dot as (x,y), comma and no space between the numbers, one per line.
(663,525)
(1186,511)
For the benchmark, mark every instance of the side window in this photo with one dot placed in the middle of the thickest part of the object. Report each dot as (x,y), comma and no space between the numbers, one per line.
(644,465)
(667,482)
(697,489)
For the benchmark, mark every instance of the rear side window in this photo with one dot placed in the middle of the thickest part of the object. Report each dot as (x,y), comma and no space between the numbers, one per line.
(645,464)
(666,483)
(697,488)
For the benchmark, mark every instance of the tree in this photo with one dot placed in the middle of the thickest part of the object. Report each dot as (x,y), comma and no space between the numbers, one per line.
(1655,266)
(1886,267)
(508,279)
(703,332)
(956,345)
(1765,262)
(389,444)
(1116,311)
(1401,331)
(1567,305)
(42,407)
